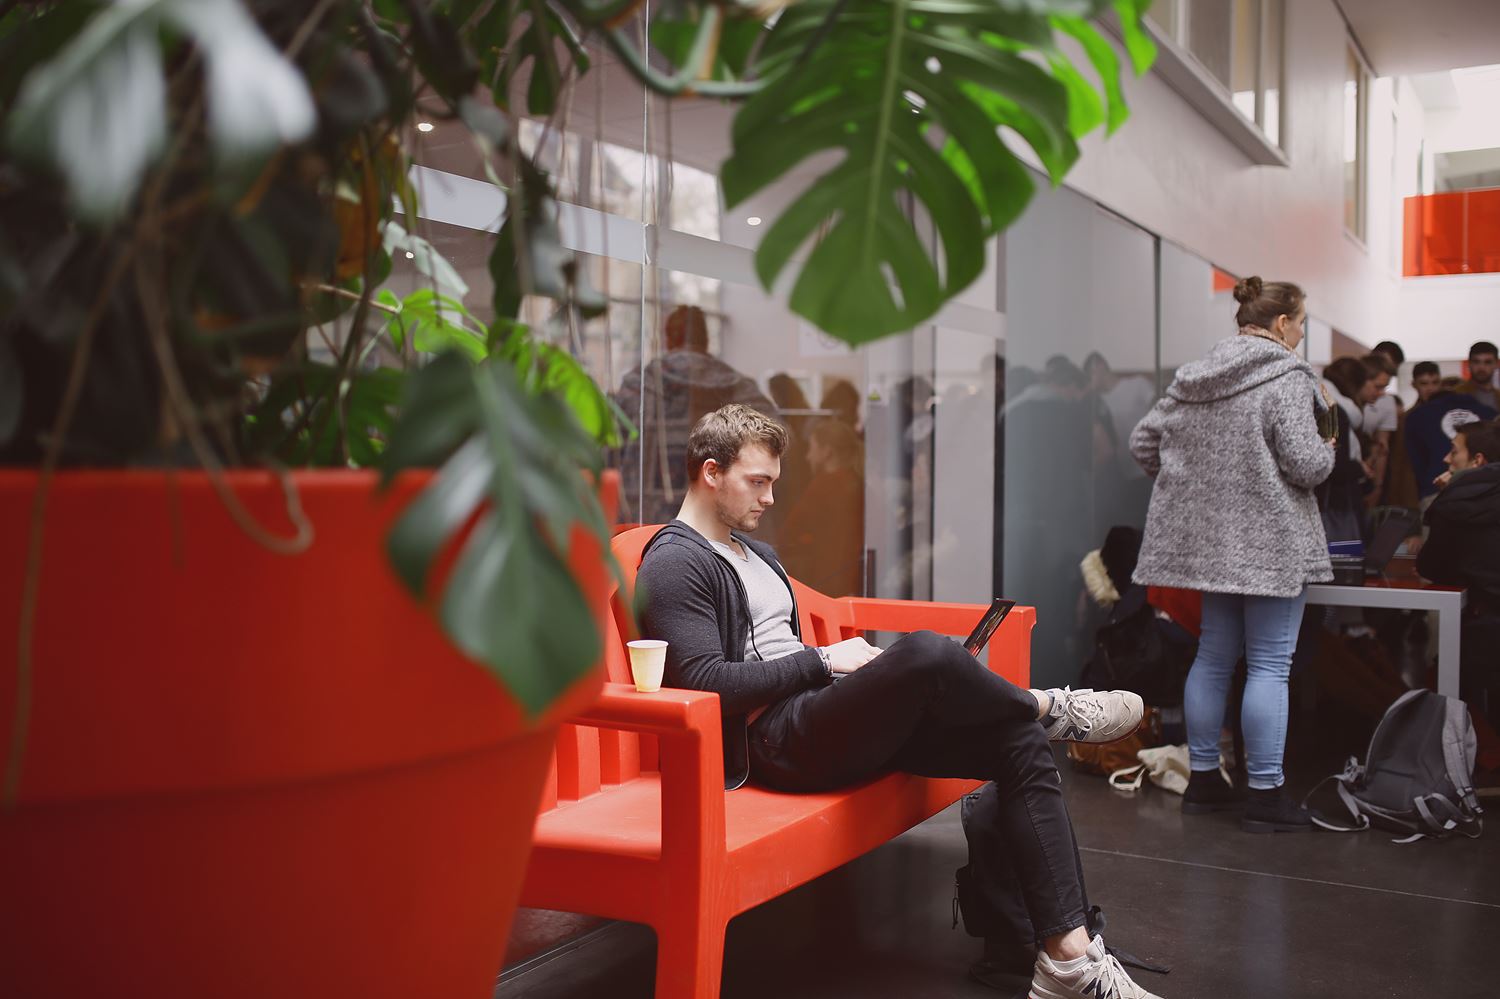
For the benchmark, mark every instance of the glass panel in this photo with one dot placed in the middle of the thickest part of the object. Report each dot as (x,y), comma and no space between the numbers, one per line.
(1208,27)
(1080,372)
(1197,308)
(1166,14)
(1354,145)
(1272,41)
(1246,69)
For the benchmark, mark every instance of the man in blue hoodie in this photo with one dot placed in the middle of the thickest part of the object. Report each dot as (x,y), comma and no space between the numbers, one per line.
(1429,435)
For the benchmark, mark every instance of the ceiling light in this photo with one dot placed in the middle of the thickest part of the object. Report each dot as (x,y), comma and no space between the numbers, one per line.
(425,126)
(753,220)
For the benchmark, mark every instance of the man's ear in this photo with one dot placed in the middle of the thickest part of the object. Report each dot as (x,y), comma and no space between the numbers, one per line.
(709,471)
(1478,461)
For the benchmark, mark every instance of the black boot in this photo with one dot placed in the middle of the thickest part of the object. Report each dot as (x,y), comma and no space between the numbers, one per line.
(1208,791)
(1273,810)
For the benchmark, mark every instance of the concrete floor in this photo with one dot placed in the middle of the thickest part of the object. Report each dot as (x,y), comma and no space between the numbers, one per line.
(1237,916)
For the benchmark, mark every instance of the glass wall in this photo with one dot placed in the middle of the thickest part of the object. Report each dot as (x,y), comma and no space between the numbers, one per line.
(983,453)
(1080,371)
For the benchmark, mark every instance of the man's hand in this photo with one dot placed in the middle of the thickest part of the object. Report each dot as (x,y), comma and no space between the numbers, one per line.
(1442,480)
(1414,545)
(850,654)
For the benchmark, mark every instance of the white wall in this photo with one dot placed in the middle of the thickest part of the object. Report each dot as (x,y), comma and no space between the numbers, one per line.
(1446,314)
(1169,170)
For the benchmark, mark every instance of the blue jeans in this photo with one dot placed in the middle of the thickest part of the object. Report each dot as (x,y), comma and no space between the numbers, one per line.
(1265,630)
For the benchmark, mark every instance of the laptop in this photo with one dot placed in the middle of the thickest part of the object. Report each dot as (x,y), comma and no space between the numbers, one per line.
(980,636)
(1387,540)
(1353,561)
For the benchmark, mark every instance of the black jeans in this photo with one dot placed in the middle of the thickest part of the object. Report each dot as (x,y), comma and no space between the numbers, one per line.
(925,707)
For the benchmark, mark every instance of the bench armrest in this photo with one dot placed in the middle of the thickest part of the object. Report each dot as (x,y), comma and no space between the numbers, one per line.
(688,727)
(871,614)
(662,712)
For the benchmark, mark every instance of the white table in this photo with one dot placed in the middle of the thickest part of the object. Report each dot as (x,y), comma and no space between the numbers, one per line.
(1448,603)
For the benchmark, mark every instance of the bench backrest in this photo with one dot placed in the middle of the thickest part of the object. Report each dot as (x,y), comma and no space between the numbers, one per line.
(587,757)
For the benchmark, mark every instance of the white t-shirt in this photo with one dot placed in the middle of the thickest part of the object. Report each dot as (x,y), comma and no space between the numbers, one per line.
(1381,415)
(770,605)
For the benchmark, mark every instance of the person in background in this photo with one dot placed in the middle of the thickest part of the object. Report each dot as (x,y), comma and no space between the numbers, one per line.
(1426,381)
(1382,416)
(1400,481)
(1429,435)
(1392,352)
(842,398)
(1463,549)
(1481,381)
(666,399)
(1341,495)
(1236,452)
(823,537)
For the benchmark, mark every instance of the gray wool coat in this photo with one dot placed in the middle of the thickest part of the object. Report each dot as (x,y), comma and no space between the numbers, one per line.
(1235,451)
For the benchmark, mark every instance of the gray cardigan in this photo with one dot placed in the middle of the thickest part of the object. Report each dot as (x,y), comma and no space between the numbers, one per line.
(1235,451)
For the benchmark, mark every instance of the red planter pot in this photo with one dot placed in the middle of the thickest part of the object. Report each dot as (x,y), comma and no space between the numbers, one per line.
(250,774)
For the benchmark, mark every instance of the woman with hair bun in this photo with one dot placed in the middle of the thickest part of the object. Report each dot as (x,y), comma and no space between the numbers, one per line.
(1237,446)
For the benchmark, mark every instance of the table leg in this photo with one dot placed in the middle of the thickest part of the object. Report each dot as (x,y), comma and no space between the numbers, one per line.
(1448,646)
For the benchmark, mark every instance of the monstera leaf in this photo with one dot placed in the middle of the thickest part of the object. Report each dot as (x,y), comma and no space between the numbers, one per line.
(514,466)
(908,99)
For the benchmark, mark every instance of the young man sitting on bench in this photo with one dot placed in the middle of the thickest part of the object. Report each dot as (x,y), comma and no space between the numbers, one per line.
(799,718)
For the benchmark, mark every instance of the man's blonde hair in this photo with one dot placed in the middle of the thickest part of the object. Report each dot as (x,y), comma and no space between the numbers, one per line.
(720,435)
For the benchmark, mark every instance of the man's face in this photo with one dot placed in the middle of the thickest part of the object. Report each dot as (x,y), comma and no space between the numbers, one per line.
(1458,459)
(1482,368)
(742,492)
(1426,386)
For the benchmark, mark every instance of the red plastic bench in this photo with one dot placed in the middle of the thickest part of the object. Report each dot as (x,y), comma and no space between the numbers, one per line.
(635,822)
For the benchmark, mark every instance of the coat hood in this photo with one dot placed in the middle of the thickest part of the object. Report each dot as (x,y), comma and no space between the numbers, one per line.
(1236,364)
(1472,498)
(685,371)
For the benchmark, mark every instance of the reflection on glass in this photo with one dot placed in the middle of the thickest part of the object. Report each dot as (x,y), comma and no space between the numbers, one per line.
(1081,371)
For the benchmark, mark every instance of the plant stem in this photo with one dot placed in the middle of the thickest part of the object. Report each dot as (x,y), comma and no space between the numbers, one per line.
(32,582)
(335,290)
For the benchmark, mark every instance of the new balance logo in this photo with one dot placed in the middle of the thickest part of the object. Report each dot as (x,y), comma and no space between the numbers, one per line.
(1099,989)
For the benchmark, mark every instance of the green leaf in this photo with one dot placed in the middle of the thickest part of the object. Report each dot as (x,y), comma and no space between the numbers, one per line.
(1138,43)
(878,84)
(1105,62)
(428,261)
(529,257)
(512,462)
(97,110)
(257,100)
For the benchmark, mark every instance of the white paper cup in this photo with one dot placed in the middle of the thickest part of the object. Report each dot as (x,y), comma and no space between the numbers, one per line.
(648,660)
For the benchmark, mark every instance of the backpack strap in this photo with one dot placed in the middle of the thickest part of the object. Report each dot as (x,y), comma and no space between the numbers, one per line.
(1458,754)
(1352,774)
(1444,817)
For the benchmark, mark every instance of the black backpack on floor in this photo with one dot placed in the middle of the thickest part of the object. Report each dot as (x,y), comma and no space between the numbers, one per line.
(1418,776)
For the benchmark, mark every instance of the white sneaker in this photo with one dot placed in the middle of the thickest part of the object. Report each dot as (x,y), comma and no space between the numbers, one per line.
(1092,715)
(1099,976)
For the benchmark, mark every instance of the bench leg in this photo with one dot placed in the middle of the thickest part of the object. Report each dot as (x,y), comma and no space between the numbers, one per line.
(690,956)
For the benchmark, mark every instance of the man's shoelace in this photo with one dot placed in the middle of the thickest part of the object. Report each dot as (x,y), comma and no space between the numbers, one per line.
(1082,713)
(1114,976)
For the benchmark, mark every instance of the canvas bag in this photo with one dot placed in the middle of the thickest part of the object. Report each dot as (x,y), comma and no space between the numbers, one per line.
(1168,767)
(1418,775)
